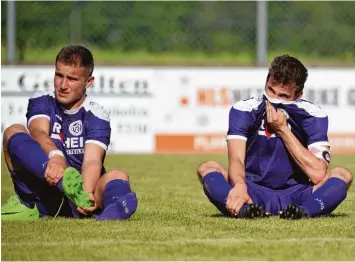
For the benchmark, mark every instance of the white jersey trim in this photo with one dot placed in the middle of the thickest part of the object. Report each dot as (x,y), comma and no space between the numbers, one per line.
(42,93)
(247,105)
(230,137)
(317,144)
(311,109)
(97,110)
(96,143)
(55,136)
(37,116)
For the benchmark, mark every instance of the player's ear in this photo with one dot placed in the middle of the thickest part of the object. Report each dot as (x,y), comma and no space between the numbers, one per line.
(299,95)
(90,81)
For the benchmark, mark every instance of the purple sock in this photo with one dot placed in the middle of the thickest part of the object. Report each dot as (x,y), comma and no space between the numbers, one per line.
(28,154)
(115,189)
(326,198)
(217,189)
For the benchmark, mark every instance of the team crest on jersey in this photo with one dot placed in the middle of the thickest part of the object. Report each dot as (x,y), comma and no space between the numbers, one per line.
(76,128)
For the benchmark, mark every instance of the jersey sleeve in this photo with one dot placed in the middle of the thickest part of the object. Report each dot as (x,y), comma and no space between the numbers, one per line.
(98,128)
(240,121)
(38,106)
(316,128)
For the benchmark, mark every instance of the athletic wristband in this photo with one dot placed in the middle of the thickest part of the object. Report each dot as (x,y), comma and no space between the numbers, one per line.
(55,152)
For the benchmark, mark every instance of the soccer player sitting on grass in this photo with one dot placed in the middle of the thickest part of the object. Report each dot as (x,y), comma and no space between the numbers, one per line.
(278,153)
(57,165)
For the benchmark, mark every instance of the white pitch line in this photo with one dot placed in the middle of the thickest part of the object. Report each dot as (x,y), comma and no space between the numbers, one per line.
(176,241)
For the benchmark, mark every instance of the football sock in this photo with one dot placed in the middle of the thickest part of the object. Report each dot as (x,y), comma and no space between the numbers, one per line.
(115,189)
(326,198)
(28,154)
(217,189)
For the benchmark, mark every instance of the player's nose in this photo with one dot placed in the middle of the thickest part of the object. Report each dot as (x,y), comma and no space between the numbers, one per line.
(64,84)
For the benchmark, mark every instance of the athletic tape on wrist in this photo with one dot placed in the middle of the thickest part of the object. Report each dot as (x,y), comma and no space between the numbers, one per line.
(55,152)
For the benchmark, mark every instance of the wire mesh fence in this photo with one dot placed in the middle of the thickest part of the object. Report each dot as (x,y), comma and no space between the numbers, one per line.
(201,32)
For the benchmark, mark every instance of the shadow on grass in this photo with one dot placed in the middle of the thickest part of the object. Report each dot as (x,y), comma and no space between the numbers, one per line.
(321,216)
(333,215)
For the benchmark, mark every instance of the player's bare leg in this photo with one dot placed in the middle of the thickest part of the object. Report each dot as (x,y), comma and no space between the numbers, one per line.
(211,166)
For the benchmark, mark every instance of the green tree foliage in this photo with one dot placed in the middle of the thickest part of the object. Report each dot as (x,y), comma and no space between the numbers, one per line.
(320,28)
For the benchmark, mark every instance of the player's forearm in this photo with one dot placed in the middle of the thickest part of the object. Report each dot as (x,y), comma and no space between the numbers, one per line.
(313,167)
(44,140)
(91,171)
(236,172)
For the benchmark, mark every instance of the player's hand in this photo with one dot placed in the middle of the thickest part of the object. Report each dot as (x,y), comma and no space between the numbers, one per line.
(55,169)
(88,210)
(275,118)
(237,197)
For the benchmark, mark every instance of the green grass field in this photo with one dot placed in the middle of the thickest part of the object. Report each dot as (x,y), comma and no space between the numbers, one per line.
(175,221)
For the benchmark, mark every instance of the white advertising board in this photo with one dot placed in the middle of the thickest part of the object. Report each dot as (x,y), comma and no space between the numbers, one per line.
(201,98)
(164,104)
(126,94)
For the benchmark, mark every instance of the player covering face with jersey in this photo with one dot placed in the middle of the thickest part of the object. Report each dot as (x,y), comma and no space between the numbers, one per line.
(56,164)
(278,152)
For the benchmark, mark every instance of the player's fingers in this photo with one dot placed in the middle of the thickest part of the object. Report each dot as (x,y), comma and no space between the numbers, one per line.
(51,175)
(92,197)
(250,201)
(229,204)
(47,175)
(272,113)
(59,175)
(237,206)
(268,116)
(81,211)
(90,209)
(229,199)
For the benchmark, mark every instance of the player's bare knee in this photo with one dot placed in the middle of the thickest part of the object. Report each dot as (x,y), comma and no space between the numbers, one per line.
(208,167)
(116,174)
(342,173)
(11,130)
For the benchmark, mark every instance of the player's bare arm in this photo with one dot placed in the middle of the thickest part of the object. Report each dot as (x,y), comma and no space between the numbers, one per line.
(39,130)
(91,170)
(313,167)
(236,173)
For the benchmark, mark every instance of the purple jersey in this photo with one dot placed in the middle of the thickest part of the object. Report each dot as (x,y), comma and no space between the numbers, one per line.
(267,161)
(70,130)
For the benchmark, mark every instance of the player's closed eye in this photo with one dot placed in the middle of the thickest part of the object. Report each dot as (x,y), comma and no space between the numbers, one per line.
(271,90)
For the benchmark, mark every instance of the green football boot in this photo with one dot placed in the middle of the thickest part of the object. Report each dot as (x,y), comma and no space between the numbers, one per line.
(73,188)
(14,210)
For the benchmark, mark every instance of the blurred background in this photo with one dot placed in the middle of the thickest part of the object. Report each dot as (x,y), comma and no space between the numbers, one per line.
(180,33)
(169,71)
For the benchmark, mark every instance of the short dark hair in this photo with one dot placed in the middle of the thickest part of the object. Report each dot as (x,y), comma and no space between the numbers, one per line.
(286,69)
(76,55)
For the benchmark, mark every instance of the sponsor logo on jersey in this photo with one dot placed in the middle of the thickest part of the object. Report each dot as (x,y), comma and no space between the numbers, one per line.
(72,145)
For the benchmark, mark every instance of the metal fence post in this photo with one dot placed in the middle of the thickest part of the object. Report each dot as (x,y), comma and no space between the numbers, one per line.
(11,32)
(261,32)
